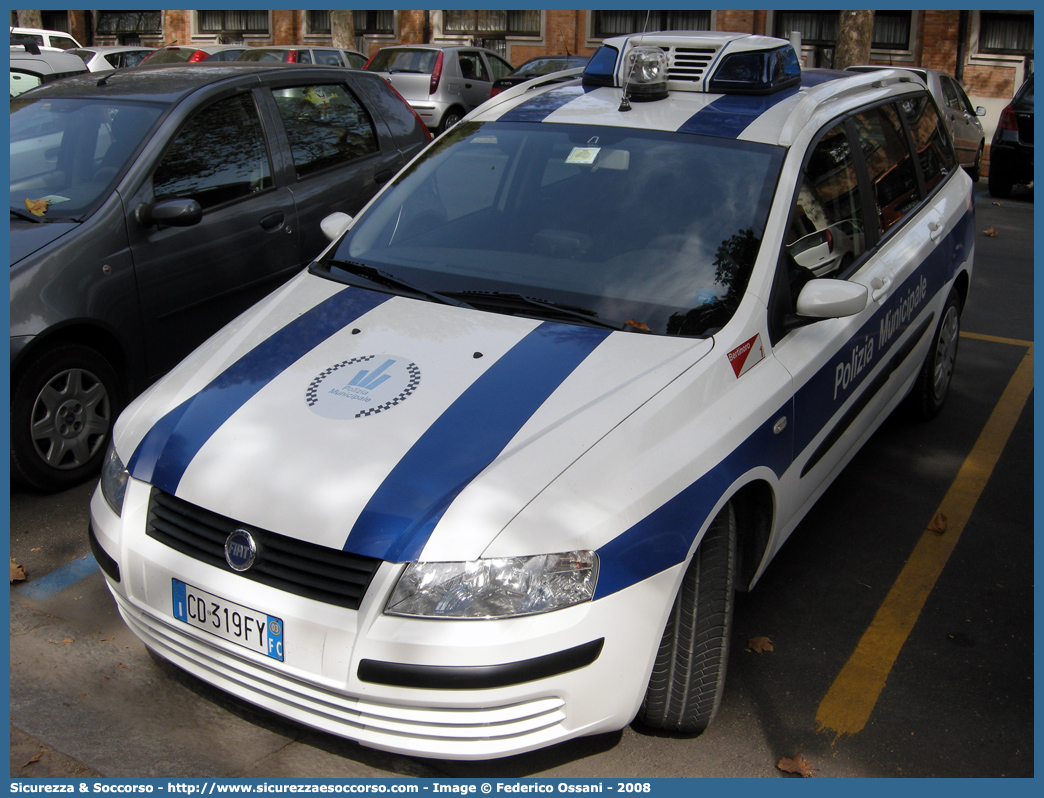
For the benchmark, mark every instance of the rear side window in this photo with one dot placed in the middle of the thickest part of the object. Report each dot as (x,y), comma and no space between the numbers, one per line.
(931,139)
(327,126)
(891,169)
(327,58)
(219,156)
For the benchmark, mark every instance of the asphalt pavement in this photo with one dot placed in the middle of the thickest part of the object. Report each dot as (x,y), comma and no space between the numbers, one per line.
(954,698)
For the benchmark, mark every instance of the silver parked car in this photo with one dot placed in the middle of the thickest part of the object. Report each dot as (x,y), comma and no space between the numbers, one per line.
(960,116)
(306,54)
(440,83)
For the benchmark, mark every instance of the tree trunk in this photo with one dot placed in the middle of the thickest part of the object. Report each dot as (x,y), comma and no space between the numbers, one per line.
(342,29)
(855,32)
(29,19)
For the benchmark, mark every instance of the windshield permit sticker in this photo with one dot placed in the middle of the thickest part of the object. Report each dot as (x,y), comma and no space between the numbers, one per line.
(362,386)
(747,355)
(583,155)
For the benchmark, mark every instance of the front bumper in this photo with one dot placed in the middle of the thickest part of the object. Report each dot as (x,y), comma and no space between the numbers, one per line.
(448,689)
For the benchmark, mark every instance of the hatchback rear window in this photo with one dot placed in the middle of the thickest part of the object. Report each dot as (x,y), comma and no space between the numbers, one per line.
(391,60)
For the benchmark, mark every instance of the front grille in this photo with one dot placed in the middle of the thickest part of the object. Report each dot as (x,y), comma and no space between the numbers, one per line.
(689,63)
(304,569)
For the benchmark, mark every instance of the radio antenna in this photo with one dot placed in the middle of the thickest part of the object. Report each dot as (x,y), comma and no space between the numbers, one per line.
(625,103)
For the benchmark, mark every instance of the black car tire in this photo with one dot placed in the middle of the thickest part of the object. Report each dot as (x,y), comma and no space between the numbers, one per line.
(450,118)
(933,383)
(63,405)
(688,676)
(998,182)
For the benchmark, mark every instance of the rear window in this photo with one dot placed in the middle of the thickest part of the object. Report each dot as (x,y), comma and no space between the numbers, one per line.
(392,60)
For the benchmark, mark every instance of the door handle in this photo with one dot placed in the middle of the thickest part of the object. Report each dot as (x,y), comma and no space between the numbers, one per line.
(881,287)
(382,177)
(467,85)
(272,221)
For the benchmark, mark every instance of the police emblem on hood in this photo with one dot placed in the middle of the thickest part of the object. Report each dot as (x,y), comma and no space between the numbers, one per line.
(362,386)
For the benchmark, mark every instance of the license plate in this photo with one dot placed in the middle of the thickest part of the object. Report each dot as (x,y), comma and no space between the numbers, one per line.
(233,622)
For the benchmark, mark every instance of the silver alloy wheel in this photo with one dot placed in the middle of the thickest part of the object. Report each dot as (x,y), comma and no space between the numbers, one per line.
(70,420)
(946,351)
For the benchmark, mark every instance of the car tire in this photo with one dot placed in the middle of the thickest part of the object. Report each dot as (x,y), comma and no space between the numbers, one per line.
(63,405)
(450,118)
(688,676)
(933,383)
(975,170)
(998,182)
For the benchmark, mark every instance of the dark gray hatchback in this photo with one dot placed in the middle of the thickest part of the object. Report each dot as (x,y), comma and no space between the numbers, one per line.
(152,206)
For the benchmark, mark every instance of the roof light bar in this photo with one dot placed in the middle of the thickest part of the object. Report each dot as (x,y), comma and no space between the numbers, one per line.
(707,61)
(756,72)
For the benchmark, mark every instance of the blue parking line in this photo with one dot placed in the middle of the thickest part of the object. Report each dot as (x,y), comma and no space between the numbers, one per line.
(66,576)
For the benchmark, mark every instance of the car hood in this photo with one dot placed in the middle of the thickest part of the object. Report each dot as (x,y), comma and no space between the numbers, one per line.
(354,420)
(27,237)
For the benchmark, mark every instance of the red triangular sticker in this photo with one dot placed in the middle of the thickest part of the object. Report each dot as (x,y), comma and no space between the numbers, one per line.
(747,355)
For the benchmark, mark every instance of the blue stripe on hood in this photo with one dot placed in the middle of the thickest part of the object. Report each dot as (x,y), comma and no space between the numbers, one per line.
(543,105)
(167,449)
(400,517)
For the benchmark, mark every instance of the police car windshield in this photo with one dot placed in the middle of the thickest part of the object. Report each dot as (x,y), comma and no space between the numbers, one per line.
(655,229)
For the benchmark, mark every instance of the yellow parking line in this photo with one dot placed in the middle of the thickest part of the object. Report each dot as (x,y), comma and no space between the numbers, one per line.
(853,695)
(997,339)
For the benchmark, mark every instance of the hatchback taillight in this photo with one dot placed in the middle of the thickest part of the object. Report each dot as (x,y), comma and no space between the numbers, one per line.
(436,75)
(198,56)
(494,91)
(291,56)
(1007,119)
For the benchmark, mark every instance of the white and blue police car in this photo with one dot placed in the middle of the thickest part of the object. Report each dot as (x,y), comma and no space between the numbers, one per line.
(486,476)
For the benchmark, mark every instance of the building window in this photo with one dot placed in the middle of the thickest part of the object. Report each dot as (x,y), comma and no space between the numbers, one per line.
(618,23)
(1005,33)
(232,22)
(819,28)
(366,22)
(54,20)
(891,30)
(374,22)
(128,26)
(491,23)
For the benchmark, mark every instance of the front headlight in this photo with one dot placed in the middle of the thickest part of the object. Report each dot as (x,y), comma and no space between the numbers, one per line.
(114,477)
(495,588)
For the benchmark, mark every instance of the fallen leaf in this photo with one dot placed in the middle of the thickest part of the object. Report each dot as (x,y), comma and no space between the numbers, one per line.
(37,207)
(17,572)
(989,232)
(759,645)
(938,524)
(106,639)
(798,765)
(638,325)
(35,758)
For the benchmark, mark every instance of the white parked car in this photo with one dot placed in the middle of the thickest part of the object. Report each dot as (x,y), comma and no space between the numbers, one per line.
(487,475)
(107,58)
(48,39)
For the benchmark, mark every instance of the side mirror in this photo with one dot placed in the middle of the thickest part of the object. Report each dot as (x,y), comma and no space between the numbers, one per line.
(172,212)
(831,299)
(334,225)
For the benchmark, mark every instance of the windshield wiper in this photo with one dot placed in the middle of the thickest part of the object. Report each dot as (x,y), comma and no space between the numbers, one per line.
(16,211)
(381,277)
(514,301)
